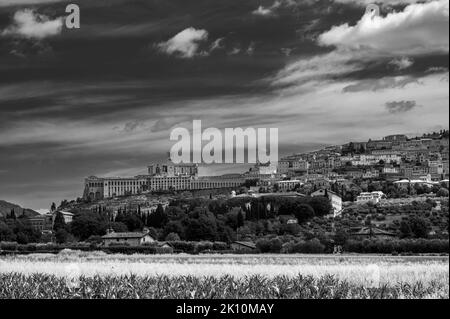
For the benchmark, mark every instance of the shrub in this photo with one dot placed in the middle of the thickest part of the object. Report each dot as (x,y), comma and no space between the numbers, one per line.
(95,239)
(47,247)
(220,246)
(269,245)
(129,250)
(173,237)
(163,250)
(203,246)
(313,246)
(399,246)
(118,245)
(184,246)
(11,246)
(61,236)
(443,192)
(263,245)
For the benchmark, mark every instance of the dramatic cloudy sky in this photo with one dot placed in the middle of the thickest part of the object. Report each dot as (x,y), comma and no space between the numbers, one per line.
(103,99)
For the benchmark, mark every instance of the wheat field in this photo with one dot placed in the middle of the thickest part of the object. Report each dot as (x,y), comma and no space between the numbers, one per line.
(347,276)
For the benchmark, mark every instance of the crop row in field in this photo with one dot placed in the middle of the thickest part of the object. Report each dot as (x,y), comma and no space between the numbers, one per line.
(40,286)
(356,270)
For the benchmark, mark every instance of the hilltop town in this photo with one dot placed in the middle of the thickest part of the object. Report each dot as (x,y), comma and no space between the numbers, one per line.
(396,165)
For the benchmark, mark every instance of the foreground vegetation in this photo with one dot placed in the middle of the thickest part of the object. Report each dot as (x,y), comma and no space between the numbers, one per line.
(78,274)
(40,286)
(197,225)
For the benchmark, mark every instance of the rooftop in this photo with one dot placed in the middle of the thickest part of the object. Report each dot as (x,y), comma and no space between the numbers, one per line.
(247,244)
(114,235)
(375,232)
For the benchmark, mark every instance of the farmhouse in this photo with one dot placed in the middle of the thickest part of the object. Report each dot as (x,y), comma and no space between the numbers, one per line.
(132,239)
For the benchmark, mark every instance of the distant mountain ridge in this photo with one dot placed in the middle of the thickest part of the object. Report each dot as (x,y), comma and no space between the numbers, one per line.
(6,207)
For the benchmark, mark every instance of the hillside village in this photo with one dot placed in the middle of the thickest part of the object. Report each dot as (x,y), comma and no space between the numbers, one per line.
(388,195)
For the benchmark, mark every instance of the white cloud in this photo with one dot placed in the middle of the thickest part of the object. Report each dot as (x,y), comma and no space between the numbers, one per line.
(185,44)
(30,24)
(234,51)
(419,29)
(261,11)
(320,96)
(402,63)
(382,84)
(383,2)
(355,51)
(318,68)
(251,48)
(264,12)
(217,44)
(437,69)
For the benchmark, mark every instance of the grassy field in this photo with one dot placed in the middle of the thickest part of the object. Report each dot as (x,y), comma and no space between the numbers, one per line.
(97,275)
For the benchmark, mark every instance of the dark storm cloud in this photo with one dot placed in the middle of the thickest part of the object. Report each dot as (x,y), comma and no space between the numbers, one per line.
(400,106)
(112,62)
(9,3)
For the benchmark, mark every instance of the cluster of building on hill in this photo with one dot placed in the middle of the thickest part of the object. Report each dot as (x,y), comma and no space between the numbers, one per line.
(398,159)
(45,222)
(160,177)
(393,158)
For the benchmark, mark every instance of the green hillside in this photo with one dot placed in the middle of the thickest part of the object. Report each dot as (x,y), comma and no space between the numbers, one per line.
(6,207)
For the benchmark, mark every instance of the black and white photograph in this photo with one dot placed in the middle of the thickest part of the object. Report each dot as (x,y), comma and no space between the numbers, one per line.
(201,150)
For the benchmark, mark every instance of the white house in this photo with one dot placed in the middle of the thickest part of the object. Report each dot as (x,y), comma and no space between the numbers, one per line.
(288,185)
(374,197)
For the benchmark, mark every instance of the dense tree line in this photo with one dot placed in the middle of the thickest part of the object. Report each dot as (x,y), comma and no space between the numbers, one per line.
(18,228)
(261,220)
(190,220)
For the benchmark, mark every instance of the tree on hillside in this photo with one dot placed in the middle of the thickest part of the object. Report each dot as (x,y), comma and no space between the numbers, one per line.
(53,207)
(119,227)
(158,218)
(61,236)
(175,227)
(13,214)
(240,219)
(405,229)
(321,206)
(224,232)
(303,213)
(173,237)
(24,232)
(340,237)
(87,224)
(443,192)
(6,233)
(59,222)
(368,223)
(419,227)
(201,225)
(133,222)
(64,203)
